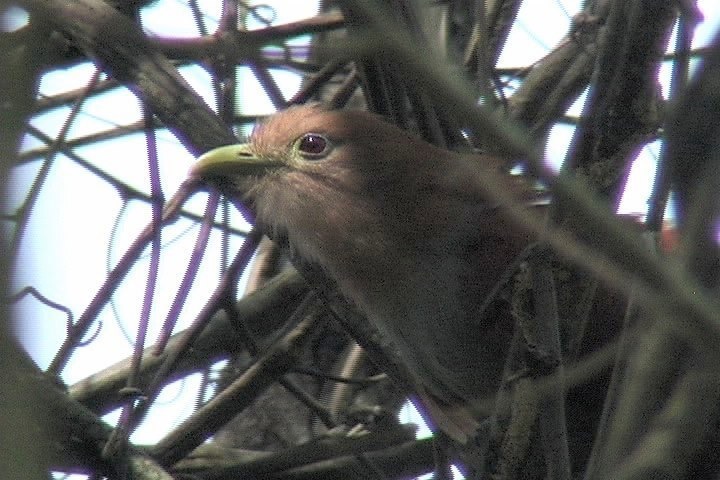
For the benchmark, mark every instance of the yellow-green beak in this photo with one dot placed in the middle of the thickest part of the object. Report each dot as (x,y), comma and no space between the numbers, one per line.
(236,160)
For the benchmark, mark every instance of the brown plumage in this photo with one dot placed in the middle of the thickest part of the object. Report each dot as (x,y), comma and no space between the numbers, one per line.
(405,229)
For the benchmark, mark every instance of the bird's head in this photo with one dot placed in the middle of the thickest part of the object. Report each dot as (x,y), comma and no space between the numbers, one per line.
(352,149)
(309,157)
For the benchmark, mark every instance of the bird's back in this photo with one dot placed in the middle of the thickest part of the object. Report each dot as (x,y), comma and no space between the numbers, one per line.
(430,295)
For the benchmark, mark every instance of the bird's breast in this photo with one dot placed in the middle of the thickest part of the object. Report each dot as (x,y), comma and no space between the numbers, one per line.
(418,267)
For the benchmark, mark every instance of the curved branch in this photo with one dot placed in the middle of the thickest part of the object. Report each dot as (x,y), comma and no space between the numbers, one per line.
(121,48)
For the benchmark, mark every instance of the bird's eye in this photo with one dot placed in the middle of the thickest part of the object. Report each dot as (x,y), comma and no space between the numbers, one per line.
(313,146)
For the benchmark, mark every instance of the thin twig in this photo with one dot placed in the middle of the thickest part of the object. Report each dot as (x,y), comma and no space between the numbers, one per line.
(277,360)
(102,295)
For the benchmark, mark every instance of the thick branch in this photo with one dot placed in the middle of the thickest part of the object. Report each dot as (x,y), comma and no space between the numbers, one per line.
(244,44)
(622,107)
(73,436)
(212,462)
(121,48)
(555,81)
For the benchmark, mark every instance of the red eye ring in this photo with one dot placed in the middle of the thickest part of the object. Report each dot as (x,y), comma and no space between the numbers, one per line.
(313,145)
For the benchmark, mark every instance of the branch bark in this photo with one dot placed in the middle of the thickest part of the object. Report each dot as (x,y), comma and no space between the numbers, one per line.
(121,48)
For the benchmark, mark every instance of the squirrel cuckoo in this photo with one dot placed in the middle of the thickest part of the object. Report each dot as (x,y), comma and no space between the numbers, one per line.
(405,229)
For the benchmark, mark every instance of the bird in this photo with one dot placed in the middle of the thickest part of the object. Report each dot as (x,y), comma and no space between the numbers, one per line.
(406,230)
